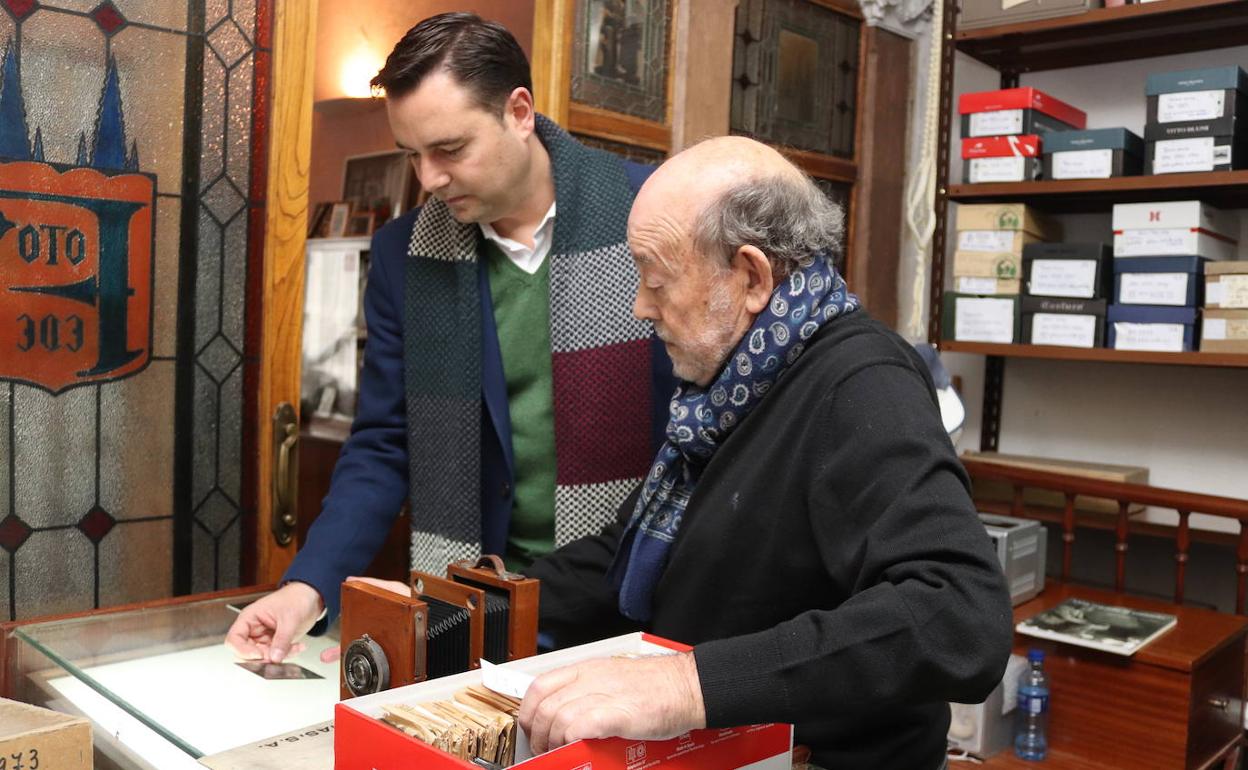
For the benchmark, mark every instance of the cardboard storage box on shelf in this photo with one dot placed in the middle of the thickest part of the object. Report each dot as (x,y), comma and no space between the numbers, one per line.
(1098,153)
(1173,281)
(33,737)
(1075,270)
(1224,331)
(989,261)
(1012,111)
(1001,159)
(1175,228)
(987,13)
(999,491)
(1007,216)
(1207,102)
(1226,284)
(1075,323)
(364,742)
(980,319)
(1151,328)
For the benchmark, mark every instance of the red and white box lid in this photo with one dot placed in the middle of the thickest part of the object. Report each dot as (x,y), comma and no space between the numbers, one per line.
(1022,99)
(1021,146)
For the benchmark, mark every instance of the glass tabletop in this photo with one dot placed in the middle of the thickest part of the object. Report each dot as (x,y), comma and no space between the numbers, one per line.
(161,683)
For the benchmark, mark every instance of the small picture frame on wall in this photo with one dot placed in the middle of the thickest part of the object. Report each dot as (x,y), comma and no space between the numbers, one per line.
(378,182)
(360,224)
(339,215)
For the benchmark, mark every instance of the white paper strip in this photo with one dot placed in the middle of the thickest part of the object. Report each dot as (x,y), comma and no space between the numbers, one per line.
(1214,292)
(1178,155)
(1083,164)
(975,285)
(1153,289)
(1078,331)
(986,240)
(1234,291)
(1008,169)
(996,123)
(1063,278)
(979,319)
(1190,105)
(1165,338)
(506,681)
(1214,329)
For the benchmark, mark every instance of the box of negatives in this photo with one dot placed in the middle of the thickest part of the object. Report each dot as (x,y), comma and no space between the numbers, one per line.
(363,741)
(1226,285)
(1224,331)
(1016,111)
(1172,281)
(1001,159)
(1169,215)
(1098,153)
(1077,270)
(980,319)
(1207,153)
(1007,216)
(1072,323)
(1197,103)
(1151,328)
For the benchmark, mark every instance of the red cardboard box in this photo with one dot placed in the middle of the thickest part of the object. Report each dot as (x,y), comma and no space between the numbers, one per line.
(1013,158)
(364,742)
(1022,99)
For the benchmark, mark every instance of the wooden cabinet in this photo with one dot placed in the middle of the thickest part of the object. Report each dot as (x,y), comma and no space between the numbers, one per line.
(1177,703)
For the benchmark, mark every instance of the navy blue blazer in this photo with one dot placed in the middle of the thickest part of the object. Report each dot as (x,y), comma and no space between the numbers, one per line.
(370,480)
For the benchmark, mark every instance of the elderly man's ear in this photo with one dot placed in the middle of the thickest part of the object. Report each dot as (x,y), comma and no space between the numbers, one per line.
(753,268)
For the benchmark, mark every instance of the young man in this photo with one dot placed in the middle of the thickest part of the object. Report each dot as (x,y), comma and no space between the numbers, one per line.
(507,394)
(806,526)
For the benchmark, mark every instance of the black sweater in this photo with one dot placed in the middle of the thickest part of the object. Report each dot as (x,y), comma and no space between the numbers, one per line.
(830,570)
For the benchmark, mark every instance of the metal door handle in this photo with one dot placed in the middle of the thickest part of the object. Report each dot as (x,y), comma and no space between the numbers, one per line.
(285,473)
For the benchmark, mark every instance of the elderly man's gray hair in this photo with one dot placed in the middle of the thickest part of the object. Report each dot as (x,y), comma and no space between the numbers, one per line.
(785,216)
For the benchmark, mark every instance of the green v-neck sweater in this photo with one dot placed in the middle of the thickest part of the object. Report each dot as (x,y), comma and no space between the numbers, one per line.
(522,317)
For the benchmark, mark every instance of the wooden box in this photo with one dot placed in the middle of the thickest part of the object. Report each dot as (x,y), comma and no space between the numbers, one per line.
(1003,492)
(1177,703)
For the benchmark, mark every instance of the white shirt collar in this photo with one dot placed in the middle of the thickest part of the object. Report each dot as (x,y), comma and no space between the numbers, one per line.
(528,260)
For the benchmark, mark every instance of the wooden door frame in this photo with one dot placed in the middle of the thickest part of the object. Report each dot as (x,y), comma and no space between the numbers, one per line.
(285,232)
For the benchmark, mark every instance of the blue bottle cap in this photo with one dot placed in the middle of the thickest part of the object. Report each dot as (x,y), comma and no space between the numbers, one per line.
(1035,655)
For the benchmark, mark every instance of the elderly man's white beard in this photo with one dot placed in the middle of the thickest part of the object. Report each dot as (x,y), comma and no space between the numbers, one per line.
(709,348)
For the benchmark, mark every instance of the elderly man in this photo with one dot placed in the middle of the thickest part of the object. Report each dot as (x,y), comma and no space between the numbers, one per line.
(806,526)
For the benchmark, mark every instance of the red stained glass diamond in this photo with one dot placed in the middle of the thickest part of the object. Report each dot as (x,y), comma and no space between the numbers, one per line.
(13,532)
(108,17)
(96,524)
(21,8)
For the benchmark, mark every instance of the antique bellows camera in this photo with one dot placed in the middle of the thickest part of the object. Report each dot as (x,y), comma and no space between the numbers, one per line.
(444,627)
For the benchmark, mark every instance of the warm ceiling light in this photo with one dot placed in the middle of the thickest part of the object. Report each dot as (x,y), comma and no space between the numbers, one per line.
(357,70)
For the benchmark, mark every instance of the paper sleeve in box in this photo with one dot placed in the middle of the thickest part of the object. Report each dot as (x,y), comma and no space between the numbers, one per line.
(364,742)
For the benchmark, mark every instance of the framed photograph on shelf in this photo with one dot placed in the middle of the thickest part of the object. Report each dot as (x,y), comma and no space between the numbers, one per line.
(380,183)
(339,214)
(317,216)
(360,224)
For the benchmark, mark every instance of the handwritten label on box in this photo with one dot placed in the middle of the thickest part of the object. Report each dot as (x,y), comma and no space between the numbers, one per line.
(1083,164)
(1153,289)
(1190,105)
(1063,278)
(1165,338)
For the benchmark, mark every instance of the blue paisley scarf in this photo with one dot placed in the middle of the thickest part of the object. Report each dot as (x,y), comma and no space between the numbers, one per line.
(701,419)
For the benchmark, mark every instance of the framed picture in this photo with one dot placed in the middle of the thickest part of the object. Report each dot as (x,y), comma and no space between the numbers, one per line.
(360,224)
(620,56)
(379,182)
(316,219)
(338,215)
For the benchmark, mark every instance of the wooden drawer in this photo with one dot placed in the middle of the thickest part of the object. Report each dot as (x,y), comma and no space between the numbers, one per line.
(1177,703)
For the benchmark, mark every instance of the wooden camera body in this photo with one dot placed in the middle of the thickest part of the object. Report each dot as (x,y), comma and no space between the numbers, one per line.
(445,626)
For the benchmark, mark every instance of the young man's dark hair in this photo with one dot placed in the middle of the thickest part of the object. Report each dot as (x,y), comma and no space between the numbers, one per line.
(481,55)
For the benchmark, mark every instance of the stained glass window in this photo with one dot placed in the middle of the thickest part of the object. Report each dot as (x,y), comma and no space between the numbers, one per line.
(620,56)
(132,168)
(795,75)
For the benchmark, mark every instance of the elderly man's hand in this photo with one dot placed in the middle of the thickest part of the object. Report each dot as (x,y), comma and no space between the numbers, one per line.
(643,698)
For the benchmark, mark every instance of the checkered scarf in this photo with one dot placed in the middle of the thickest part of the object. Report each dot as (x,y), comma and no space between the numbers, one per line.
(702,419)
(602,446)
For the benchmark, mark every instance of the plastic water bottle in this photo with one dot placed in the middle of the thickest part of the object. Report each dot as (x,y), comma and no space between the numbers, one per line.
(1031,740)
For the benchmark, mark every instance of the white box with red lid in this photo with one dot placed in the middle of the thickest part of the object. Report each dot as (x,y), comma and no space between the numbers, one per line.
(363,742)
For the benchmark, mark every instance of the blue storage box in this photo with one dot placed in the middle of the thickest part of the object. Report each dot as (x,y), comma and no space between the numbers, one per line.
(1194,103)
(1098,153)
(1149,327)
(1169,281)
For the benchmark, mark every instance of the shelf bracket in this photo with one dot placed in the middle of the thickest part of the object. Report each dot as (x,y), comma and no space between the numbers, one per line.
(994,383)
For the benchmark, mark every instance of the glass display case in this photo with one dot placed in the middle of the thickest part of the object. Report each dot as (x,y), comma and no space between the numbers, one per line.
(158,684)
